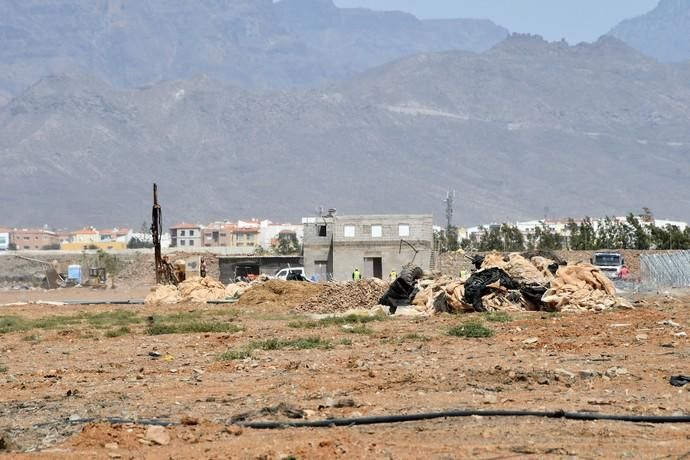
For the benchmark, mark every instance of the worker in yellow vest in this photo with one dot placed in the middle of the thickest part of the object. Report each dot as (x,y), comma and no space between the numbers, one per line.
(356,275)
(393,276)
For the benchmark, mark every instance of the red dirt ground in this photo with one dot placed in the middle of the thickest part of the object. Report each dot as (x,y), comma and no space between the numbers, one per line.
(612,362)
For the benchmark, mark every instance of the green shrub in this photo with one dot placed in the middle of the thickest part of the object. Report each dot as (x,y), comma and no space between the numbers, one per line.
(194,327)
(471,330)
(498,317)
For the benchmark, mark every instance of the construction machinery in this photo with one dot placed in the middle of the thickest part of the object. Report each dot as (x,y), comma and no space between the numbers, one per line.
(97,278)
(53,279)
(166,272)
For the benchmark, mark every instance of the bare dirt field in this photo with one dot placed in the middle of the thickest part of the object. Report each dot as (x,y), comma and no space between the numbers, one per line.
(61,366)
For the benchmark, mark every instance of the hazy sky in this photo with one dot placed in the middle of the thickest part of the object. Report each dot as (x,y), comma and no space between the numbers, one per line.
(574,20)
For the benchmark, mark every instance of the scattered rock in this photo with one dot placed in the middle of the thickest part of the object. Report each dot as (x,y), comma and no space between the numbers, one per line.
(641,337)
(615,371)
(530,341)
(599,402)
(111,446)
(586,374)
(490,399)
(234,430)
(565,373)
(157,435)
(669,322)
(680,334)
(340,403)
(189,421)
(6,443)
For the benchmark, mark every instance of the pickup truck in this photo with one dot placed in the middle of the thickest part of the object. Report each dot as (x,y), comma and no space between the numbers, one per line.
(282,274)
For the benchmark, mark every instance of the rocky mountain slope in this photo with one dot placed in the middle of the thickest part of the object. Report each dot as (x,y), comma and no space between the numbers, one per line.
(663,33)
(528,125)
(252,43)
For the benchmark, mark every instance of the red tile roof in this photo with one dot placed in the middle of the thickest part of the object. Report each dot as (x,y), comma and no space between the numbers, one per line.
(85,231)
(185,225)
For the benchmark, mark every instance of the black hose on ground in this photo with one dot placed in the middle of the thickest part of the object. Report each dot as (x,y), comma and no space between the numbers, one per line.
(103,302)
(467,413)
(401,418)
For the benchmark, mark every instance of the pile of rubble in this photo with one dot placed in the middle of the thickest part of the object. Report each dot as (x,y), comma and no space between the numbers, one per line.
(518,282)
(340,297)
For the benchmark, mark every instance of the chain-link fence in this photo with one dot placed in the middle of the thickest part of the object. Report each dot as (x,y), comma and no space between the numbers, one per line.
(666,270)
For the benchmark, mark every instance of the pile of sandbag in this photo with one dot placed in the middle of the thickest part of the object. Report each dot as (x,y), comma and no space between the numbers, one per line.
(516,283)
(521,269)
(582,287)
(163,294)
(200,290)
(196,290)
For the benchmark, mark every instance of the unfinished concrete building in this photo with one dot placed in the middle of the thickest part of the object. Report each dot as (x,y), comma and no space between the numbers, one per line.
(375,244)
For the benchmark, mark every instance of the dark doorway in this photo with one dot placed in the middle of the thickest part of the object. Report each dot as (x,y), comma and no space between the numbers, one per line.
(373,267)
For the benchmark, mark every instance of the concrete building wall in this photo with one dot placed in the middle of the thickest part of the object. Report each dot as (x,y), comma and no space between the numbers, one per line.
(347,258)
(317,241)
(186,237)
(4,241)
(29,239)
(371,243)
(266,265)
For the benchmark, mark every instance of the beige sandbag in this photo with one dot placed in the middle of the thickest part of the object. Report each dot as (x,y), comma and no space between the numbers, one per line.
(524,270)
(163,295)
(235,290)
(199,289)
(542,264)
(494,259)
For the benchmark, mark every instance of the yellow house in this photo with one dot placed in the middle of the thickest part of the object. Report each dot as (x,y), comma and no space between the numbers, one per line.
(89,238)
(104,245)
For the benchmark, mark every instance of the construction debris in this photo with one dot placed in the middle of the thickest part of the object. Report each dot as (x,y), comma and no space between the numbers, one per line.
(516,283)
(340,297)
(502,283)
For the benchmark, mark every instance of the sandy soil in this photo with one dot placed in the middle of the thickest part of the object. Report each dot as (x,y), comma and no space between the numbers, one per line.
(613,362)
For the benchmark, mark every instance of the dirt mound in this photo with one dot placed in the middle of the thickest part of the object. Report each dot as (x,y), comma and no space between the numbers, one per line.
(284,293)
(339,297)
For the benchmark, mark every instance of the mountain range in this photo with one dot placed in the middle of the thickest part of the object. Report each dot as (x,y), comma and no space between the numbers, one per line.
(256,44)
(663,33)
(525,128)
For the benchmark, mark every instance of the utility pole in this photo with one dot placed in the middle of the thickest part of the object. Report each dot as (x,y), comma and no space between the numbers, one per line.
(156,224)
(450,203)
